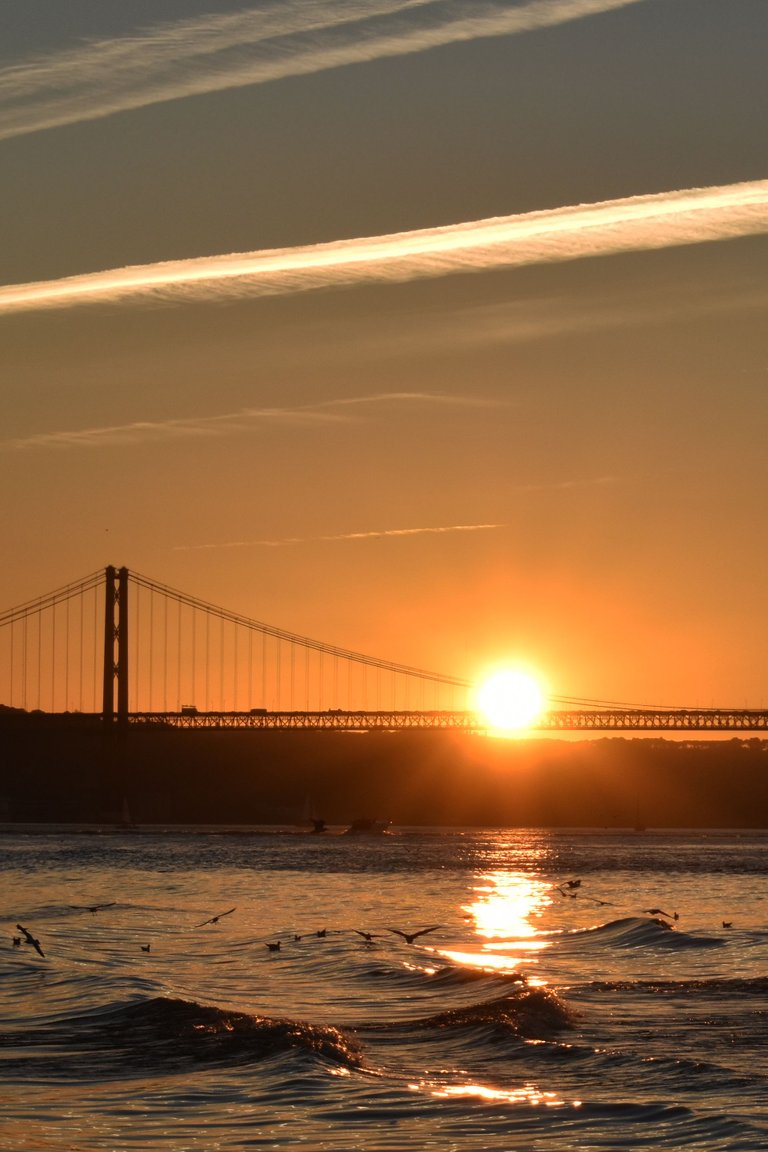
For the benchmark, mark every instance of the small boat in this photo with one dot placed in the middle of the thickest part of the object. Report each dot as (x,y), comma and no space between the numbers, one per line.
(126,822)
(310,816)
(366,827)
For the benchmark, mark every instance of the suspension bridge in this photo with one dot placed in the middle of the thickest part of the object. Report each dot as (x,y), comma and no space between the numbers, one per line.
(121,649)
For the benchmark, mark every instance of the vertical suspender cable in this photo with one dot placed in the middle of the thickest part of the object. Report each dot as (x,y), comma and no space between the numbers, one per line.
(24,642)
(235,677)
(66,658)
(95,649)
(221,663)
(10,670)
(150,645)
(137,647)
(207,657)
(81,704)
(165,653)
(250,667)
(53,657)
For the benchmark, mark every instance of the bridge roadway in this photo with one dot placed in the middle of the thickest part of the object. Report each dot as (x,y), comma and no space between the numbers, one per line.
(573,720)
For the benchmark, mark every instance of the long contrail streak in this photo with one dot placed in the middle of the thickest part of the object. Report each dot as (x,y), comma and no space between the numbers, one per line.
(375,534)
(264,42)
(667,219)
(321,412)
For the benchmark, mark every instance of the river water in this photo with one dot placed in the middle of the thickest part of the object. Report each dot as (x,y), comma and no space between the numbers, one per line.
(557,1002)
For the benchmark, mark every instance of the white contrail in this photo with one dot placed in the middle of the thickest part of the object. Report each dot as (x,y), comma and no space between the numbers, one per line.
(320,412)
(374,534)
(386,533)
(264,42)
(667,219)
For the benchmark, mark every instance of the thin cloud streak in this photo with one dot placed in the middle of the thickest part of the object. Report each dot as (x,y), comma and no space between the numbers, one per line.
(265,42)
(379,534)
(637,223)
(322,412)
(388,533)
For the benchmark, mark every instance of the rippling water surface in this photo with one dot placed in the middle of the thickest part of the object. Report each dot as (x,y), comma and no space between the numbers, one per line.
(575,990)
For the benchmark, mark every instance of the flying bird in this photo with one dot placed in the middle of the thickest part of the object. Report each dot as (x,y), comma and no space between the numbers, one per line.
(726,924)
(92,907)
(273,947)
(30,939)
(409,937)
(369,937)
(661,912)
(215,919)
(145,947)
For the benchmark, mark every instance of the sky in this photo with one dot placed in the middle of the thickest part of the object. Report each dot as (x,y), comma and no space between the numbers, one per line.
(431,329)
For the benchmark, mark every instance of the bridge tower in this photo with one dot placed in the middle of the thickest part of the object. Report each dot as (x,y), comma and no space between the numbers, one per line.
(115,705)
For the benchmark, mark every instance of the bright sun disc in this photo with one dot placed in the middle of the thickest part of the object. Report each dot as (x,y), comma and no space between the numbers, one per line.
(511,699)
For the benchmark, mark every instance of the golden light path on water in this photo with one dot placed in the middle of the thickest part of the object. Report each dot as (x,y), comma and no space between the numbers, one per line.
(526,1094)
(503,914)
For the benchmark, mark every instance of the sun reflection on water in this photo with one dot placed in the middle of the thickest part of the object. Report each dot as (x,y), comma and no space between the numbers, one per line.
(525,1094)
(504,915)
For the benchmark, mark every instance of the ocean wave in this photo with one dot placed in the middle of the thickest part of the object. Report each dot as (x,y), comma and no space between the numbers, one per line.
(716,987)
(527,1013)
(164,1035)
(444,976)
(641,932)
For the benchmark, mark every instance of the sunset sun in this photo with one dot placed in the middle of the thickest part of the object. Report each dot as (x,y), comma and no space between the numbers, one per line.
(511,699)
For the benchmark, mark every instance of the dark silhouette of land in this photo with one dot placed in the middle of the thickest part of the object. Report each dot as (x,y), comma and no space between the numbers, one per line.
(69,769)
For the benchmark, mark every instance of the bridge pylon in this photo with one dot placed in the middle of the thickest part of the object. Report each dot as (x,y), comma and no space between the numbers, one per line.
(115,700)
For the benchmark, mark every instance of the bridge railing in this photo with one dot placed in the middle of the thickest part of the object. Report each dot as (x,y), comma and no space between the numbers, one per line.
(557,720)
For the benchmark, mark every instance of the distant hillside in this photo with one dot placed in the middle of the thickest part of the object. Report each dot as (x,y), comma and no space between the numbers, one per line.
(68,769)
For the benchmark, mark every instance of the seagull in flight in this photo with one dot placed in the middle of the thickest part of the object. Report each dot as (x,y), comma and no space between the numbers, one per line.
(409,937)
(661,912)
(30,939)
(215,919)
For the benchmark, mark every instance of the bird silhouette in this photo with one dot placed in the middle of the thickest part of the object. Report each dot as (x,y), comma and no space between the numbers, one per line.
(409,937)
(92,907)
(215,919)
(145,947)
(17,941)
(30,939)
(273,947)
(661,912)
(726,924)
(369,937)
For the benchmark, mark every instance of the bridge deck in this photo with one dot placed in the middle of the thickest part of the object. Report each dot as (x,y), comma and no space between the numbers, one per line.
(585,720)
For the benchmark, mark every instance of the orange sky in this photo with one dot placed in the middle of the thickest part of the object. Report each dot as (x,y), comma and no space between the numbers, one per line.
(558,457)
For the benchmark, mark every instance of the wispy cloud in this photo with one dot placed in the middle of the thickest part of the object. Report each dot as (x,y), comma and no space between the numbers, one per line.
(394,533)
(322,412)
(377,534)
(667,219)
(263,42)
